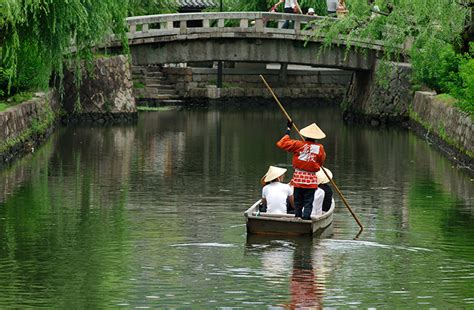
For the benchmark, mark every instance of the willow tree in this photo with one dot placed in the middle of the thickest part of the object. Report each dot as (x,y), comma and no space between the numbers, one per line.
(149,7)
(37,36)
(430,31)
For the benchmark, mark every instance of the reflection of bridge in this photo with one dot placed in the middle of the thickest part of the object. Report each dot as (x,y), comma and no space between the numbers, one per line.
(241,36)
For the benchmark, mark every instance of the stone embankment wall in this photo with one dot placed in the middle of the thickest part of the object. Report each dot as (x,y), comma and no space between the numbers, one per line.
(27,125)
(105,97)
(383,99)
(105,93)
(450,129)
(200,82)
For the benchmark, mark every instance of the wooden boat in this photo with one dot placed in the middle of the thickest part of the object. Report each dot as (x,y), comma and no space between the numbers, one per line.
(285,224)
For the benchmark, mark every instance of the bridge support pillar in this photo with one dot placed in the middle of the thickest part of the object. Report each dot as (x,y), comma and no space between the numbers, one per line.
(283,74)
(379,99)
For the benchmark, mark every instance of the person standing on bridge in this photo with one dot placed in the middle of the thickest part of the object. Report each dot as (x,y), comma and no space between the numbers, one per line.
(291,6)
(308,158)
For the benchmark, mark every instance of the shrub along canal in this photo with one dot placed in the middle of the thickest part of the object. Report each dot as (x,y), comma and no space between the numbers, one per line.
(151,215)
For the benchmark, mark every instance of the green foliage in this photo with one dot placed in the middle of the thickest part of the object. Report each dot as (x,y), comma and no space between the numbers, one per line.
(435,62)
(433,28)
(138,84)
(149,7)
(37,36)
(14,100)
(3,106)
(466,91)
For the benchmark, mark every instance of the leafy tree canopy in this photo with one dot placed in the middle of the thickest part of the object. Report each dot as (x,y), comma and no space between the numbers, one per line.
(36,36)
(430,31)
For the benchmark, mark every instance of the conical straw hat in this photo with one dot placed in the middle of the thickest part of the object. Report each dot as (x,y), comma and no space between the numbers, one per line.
(273,173)
(321,177)
(312,131)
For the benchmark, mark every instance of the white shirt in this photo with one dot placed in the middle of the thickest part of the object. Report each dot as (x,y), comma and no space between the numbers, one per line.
(318,202)
(276,194)
(290,3)
(332,5)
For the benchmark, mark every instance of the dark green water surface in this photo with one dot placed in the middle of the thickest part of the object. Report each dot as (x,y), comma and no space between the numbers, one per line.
(151,216)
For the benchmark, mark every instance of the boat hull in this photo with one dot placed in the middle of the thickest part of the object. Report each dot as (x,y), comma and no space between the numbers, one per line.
(285,224)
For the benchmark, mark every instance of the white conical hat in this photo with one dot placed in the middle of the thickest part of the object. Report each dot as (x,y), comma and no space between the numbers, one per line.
(273,173)
(321,177)
(312,131)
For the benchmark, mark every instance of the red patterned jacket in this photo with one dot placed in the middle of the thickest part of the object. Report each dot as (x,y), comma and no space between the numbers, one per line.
(308,157)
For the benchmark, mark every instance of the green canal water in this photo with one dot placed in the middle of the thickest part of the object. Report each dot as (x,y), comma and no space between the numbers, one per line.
(151,216)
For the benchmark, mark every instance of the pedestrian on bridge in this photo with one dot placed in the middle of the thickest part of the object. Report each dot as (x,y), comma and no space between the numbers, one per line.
(292,7)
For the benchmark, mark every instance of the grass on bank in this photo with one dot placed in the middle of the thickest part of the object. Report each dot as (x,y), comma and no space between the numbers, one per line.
(463,105)
(14,100)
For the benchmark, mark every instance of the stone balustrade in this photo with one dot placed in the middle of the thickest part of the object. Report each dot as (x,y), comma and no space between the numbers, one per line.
(232,24)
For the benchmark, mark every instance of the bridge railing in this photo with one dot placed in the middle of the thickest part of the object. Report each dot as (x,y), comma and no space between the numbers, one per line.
(233,24)
(187,23)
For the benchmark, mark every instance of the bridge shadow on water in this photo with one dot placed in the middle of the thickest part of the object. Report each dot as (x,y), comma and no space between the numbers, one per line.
(255,104)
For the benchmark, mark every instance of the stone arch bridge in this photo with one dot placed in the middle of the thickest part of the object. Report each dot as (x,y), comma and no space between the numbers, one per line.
(260,37)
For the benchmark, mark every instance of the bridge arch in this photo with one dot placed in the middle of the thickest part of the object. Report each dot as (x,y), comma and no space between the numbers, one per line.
(259,37)
(240,37)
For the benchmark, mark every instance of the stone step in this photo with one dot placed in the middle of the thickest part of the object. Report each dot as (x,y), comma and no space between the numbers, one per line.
(171,101)
(138,70)
(155,74)
(159,103)
(160,86)
(154,90)
(161,96)
(156,81)
(152,70)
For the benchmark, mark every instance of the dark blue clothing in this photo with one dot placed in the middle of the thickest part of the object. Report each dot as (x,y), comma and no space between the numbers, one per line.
(286,25)
(303,202)
(327,196)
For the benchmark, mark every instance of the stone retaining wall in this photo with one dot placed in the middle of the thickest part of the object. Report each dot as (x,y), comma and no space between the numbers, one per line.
(446,123)
(105,93)
(25,126)
(369,100)
(200,82)
(105,97)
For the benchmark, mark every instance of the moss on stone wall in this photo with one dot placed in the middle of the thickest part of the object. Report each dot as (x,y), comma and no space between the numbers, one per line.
(39,126)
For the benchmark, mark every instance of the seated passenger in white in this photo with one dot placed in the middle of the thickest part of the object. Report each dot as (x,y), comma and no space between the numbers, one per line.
(275,194)
(321,193)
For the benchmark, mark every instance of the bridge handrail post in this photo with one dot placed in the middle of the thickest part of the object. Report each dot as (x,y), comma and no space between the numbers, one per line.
(259,26)
(297,27)
(182,27)
(221,23)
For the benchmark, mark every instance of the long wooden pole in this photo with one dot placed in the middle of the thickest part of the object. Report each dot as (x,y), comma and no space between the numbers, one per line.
(324,170)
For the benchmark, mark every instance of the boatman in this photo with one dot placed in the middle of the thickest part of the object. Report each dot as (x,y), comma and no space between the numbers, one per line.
(308,157)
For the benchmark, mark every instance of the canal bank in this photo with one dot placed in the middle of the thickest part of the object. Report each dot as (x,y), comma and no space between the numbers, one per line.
(108,96)
(26,126)
(103,97)
(444,126)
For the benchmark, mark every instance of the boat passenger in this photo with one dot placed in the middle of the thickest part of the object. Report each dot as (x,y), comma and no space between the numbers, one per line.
(275,193)
(323,194)
(308,157)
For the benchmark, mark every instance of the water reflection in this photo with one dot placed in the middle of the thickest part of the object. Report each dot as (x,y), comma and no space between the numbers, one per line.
(298,259)
(151,216)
